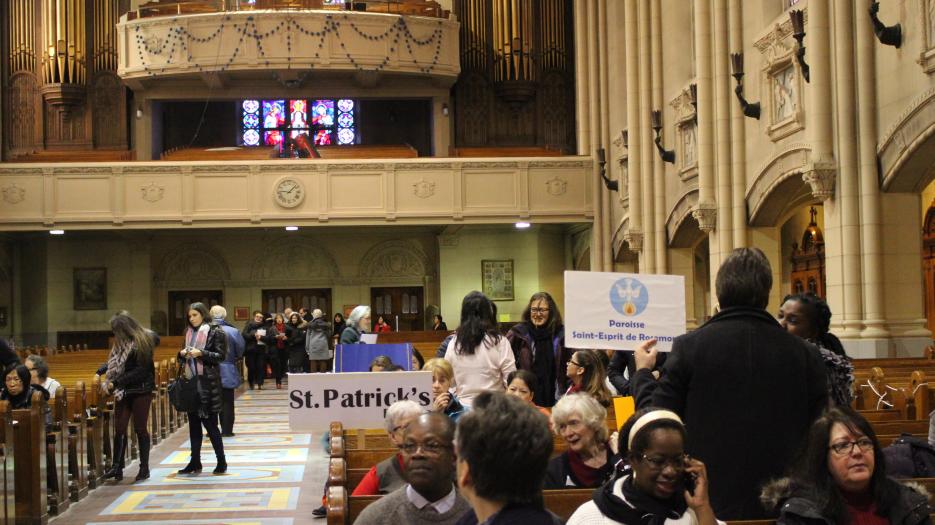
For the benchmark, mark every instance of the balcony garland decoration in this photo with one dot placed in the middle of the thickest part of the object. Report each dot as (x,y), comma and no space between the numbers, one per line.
(178,38)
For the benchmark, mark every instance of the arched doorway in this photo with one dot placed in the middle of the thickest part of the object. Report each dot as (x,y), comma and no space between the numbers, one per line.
(802,249)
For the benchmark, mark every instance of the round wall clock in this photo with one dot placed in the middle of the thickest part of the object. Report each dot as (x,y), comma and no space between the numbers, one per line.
(289,192)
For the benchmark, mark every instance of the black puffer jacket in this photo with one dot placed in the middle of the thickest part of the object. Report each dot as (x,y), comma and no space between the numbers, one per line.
(212,356)
(796,506)
(139,374)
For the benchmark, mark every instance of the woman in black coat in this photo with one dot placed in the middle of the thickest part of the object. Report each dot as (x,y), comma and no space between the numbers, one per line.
(131,378)
(295,343)
(16,387)
(205,349)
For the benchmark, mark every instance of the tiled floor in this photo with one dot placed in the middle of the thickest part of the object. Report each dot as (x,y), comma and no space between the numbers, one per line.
(275,477)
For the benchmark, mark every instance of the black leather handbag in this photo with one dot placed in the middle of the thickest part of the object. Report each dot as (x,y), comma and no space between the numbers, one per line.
(183,393)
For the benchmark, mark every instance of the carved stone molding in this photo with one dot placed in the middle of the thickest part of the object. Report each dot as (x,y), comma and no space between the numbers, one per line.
(536,164)
(906,146)
(423,188)
(772,176)
(634,238)
(395,260)
(13,194)
(927,22)
(192,263)
(297,258)
(820,178)
(423,166)
(152,192)
(706,215)
(781,81)
(556,186)
(682,105)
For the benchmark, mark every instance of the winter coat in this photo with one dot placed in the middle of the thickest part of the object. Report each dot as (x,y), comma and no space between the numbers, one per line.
(524,350)
(230,376)
(749,392)
(350,336)
(796,507)
(249,336)
(139,374)
(316,340)
(209,383)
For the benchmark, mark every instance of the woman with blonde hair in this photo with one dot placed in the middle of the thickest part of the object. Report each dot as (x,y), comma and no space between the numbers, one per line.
(443,399)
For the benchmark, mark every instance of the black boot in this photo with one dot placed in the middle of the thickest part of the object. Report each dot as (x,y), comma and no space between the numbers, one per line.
(193,467)
(144,443)
(115,471)
(222,465)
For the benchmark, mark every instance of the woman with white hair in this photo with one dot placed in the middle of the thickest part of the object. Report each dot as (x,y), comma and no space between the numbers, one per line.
(588,462)
(357,323)
(316,342)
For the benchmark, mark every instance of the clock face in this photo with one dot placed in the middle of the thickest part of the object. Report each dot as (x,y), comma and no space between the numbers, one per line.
(289,192)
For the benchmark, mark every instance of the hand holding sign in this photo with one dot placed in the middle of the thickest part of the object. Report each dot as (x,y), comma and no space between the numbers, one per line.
(645,355)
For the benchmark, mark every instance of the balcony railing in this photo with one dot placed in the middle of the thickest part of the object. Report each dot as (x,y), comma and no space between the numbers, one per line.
(189,7)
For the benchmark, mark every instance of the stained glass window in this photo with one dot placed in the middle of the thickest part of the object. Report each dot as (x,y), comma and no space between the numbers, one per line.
(273,122)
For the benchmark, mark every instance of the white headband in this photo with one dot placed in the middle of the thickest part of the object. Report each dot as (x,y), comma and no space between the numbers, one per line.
(648,418)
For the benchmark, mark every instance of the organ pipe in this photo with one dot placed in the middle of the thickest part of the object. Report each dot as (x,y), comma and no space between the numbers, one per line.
(64,39)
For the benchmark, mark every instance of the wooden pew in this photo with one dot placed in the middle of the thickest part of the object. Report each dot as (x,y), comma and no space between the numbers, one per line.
(345,509)
(7,456)
(30,463)
(77,444)
(57,454)
(94,432)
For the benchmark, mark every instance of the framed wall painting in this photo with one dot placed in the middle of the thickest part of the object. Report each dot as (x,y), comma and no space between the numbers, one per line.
(497,279)
(90,288)
(241,313)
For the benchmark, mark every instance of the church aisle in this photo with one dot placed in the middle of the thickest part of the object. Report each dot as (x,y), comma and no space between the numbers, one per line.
(274,477)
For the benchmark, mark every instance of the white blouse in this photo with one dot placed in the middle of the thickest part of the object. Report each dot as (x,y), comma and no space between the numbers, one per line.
(485,369)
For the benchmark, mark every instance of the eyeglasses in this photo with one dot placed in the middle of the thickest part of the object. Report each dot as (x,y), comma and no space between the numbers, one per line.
(539,310)
(844,448)
(572,362)
(659,462)
(429,449)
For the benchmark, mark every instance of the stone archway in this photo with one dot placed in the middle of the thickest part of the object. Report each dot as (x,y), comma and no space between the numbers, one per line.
(681,227)
(907,148)
(395,261)
(779,186)
(192,263)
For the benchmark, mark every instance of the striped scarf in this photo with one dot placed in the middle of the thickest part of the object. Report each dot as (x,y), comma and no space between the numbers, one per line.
(116,362)
(196,339)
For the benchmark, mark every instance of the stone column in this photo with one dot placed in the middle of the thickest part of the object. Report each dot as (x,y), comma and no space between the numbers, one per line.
(738,137)
(634,233)
(604,114)
(648,260)
(722,112)
(871,250)
(659,171)
(847,184)
(705,212)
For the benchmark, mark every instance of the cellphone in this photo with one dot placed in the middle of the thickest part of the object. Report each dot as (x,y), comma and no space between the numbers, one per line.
(688,480)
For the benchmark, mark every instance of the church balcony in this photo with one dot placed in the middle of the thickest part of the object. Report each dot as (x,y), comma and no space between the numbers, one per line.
(290,46)
(165,194)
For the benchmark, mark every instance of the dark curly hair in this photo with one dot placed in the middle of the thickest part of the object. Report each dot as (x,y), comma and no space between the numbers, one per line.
(819,314)
(506,444)
(554,322)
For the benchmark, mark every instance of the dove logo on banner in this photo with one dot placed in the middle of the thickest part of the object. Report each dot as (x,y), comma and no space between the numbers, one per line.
(629,296)
(618,311)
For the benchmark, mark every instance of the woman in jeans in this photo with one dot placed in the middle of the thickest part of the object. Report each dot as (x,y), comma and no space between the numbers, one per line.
(205,349)
(131,378)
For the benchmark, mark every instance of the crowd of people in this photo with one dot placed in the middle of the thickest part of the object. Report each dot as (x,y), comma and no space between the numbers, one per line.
(748,416)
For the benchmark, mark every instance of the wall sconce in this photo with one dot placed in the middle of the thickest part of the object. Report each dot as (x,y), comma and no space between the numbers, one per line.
(887,35)
(693,99)
(666,155)
(611,185)
(445,109)
(797,17)
(751,110)
(139,113)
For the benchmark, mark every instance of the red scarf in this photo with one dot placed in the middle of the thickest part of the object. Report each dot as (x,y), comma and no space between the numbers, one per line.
(280,343)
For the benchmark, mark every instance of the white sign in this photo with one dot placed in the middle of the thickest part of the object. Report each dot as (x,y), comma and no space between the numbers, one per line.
(621,310)
(356,399)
